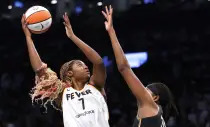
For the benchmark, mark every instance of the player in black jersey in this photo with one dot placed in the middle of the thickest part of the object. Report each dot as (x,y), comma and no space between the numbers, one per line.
(152,100)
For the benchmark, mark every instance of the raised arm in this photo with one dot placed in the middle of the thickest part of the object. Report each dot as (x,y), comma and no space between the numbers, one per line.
(99,72)
(137,88)
(35,60)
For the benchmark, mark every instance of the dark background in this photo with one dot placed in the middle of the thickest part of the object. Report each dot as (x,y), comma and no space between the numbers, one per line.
(175,33)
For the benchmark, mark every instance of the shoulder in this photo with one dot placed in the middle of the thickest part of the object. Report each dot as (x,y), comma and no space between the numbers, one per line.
(155,121)
(102,91)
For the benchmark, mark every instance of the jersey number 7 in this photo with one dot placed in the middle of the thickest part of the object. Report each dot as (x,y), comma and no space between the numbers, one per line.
(83,103)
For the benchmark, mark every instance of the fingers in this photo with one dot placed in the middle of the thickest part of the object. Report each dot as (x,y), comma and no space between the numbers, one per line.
(23,22)
(63,17)
(107,11)
(23,19)
(105,23)
(66,18)
(64,23)
(110,9)
(105,15)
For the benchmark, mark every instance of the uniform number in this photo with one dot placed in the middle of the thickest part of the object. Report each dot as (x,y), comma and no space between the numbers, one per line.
(83,103)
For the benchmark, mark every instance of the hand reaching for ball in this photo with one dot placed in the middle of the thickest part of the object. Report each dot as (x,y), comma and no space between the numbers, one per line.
(69,31)
(24,26)
(108,16)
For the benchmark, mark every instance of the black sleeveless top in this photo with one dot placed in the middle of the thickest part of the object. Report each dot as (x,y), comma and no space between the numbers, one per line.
(154,121)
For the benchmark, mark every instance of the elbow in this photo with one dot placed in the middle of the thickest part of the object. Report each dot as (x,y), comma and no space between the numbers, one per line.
(99,61)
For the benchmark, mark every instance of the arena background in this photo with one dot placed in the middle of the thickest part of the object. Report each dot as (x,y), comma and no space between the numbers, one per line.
(174,33)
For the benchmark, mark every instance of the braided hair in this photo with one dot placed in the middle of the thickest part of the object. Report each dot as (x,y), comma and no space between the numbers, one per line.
(65,68)
(48,86)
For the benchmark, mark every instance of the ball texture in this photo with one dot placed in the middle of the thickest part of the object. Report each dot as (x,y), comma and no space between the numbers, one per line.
(38,19)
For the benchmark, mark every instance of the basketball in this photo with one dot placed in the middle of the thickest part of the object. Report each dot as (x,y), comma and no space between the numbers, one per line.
(38,19)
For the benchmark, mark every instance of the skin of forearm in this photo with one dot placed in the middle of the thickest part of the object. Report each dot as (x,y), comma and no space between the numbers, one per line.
(35,60)
(91,54)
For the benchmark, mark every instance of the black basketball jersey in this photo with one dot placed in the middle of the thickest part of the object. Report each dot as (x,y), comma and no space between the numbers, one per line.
(154,121)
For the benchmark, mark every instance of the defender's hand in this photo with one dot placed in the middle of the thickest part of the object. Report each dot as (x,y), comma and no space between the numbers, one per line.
(69,31)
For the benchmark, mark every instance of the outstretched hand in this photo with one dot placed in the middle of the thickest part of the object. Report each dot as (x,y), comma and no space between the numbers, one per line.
(24,26)
(69,31)
(108,15)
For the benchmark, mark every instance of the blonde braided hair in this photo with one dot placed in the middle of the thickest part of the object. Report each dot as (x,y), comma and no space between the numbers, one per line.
(48,86)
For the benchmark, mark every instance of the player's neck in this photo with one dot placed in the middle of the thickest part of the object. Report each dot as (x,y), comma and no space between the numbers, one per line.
(78,85)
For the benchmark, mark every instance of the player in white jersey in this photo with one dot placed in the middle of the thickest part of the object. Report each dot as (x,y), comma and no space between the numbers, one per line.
(86,105)
(77,93)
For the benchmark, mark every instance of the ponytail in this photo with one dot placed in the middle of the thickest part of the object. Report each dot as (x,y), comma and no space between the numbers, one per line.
(169,109)
(166,99)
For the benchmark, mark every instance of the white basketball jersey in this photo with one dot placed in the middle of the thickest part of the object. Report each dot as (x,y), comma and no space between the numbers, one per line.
(84,108)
